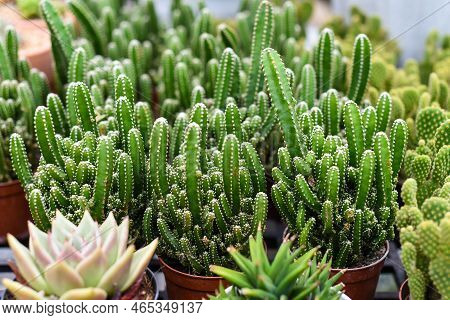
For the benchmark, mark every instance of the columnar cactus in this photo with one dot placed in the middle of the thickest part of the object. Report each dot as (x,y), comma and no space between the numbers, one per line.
(337,192)
(86,261)
(20,90)
(99,165)
(204,200)
(290,276)
(424,231)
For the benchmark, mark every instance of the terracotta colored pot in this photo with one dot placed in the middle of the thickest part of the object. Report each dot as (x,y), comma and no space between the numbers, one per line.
(361,283)
(403,293)
(184,286)
(14,211)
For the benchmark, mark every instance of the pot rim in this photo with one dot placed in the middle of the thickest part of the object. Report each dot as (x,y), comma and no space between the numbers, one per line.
(383,257)
(165,265)
(147,271)
(9,183)
(403,288)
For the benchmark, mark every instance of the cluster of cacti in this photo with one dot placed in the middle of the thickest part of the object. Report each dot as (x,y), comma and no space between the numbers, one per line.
(204,199)
(78,262)
(290,276)
(424,235)
(436,56)
(88,161)
(429,162)
(335,188)
(112,32)
(21,89)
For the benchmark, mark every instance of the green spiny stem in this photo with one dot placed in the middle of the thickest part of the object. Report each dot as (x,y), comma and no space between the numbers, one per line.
(125,179)
(77,66)
(308,85)
(226,77)
(398,141)
(354,132)
(231,171)
(61,39)
(103,178)
(90,25)
(125,118)
(365,178)
(324,59)
(80,96)
(362,53)
(6,69)
(383,169)
(331,112)
(136,149)
(281,95)
(384,107)
(45,136)
(261,39)
(193,170)
(57,112)
(38,210)
(168,64)
(19,159)
(183,84)
(158,157)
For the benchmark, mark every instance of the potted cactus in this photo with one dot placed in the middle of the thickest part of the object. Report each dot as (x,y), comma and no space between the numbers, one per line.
(20,90)
(97,165)
(203,200)
(290,276)
(87,261)
(336,188)
(424,231)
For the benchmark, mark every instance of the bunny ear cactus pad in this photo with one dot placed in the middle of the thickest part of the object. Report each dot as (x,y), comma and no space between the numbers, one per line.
(97,273)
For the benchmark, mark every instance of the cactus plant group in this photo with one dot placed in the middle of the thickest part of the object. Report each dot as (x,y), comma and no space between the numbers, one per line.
(424,231)
(21,89)
(82,262)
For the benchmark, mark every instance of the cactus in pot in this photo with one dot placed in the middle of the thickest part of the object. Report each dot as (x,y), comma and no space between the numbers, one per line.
(424,238)
(78,262)
(335,189)
(290,276)
(98,165)
(205,198)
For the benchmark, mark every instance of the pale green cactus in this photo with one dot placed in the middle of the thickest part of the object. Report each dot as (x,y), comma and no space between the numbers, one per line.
(290,276)
(87,261)
(424,236)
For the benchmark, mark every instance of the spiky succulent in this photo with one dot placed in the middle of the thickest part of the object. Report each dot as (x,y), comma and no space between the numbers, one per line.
(20,90)
(99,164)
(290,276)
(207,197)
(429,162)
(424,232)
(84,261)
(335,189)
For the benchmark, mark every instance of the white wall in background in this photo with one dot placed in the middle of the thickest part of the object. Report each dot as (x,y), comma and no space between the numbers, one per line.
(400,15)
(220,8)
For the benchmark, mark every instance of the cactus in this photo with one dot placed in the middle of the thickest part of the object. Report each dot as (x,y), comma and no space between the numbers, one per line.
(19,95)
(98,165)
(203,200)
(424,238)
(362,54)
(290,276)
(67,272)
(339,193)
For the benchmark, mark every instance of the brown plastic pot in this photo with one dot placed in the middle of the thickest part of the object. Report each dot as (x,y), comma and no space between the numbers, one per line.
(184,286)
(361,283)
(403,293)
(14,211)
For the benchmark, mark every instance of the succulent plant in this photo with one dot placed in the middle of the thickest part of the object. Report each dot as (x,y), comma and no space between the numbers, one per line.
(335,189)
(99,164)
(429,162)
(424,231)
(290,276)
(84,261)
(21,88)
(205,198)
